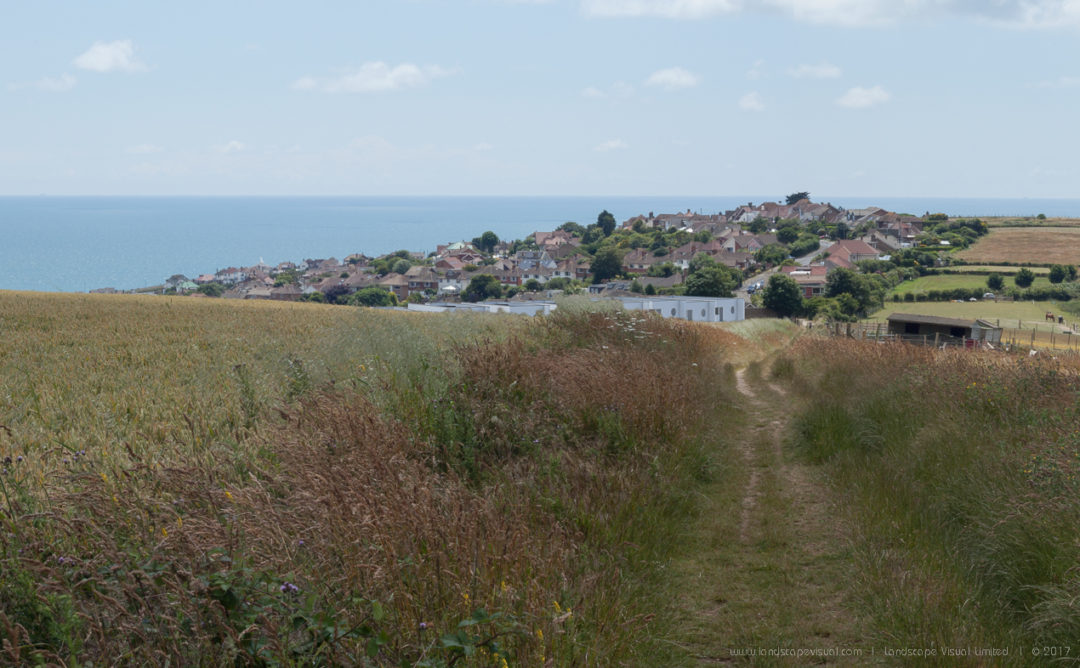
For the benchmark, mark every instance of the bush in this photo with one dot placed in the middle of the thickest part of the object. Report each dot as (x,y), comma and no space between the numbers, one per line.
(995,282)
(1024,278)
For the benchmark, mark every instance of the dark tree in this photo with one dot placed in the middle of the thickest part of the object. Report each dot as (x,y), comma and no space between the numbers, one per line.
(336,294)
(995,282)
(572,227)
(1058,273)
(782,295)
(787,234)
(795,197)
(484,286)
(373,296)
(606,221)
(1024,278)
(711,281)
(486,242)
(606,264)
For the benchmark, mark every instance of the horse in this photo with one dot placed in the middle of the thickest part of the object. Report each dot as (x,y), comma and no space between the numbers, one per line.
(1050,316)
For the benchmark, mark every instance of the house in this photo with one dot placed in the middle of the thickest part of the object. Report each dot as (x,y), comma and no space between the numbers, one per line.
(529,259)
(547,240)
(811,279)
(174,281)
(698,309)
(395,283)
(230,276)
(422,278)
(912,326)
(846,252)
(639,260)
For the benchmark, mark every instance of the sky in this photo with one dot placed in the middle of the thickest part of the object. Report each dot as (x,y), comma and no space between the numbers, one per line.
(905,98)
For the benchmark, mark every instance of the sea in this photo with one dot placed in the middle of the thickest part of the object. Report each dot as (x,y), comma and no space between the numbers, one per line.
(76,244)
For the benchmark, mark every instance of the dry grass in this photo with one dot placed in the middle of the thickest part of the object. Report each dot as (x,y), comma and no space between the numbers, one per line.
(273,484)
(1053,245)
(962,473)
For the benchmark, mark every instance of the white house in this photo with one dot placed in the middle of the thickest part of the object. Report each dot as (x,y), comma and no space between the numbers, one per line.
(698,309)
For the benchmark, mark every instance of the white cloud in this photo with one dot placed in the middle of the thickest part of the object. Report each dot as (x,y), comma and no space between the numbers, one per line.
(673,78)
(756,71)
(233,146)
(854,13)
(593,92)
(375,77)
(819,71)
(751,102)
(109,57)
(610,145)
(861,98)
(59,84)
(672,9)
(144,149)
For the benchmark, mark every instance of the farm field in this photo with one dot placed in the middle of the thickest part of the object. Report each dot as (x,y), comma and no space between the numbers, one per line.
(953,281)
(999,268)
(1050,245)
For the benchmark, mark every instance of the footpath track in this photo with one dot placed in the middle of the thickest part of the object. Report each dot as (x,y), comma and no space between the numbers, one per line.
(769,579)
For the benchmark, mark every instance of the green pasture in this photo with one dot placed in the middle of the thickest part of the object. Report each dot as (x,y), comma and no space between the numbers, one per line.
(1008,313)
(953,281)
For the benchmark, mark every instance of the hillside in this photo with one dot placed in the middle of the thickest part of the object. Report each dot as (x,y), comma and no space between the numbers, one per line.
(198,481)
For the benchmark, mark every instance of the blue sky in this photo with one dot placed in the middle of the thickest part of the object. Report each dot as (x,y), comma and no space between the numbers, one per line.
(559,97)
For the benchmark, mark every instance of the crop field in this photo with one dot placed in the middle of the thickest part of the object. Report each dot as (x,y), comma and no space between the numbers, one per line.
(280,484)
(1048,245)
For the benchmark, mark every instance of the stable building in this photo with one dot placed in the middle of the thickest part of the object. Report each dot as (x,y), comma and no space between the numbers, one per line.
(911,325)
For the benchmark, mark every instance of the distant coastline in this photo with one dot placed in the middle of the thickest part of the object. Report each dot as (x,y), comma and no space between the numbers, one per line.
(75,244)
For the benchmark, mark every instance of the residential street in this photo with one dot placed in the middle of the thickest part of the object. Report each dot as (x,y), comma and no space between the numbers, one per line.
(764,276)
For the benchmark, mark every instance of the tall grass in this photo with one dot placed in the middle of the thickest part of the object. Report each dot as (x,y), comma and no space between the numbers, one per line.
(195,482)
(961,473)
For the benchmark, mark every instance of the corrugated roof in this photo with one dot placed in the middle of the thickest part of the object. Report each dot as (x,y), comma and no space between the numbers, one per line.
(930,320)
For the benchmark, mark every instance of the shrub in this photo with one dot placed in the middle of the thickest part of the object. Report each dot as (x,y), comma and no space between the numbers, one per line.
(995,282)
(1024,278)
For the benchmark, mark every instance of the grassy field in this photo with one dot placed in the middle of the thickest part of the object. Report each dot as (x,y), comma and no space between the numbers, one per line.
(1030,221)
(1051,245)
(960,472)
(206,481)
(1025,315)
(952,281)
(1003,269)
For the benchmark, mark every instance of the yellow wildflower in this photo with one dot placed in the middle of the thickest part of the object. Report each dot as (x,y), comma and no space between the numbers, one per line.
(502,586)
(228,495)
(179,522)
(164,533)
(540,634)
(557,607)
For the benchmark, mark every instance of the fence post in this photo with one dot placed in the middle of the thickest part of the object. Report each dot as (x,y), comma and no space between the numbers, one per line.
(937,335)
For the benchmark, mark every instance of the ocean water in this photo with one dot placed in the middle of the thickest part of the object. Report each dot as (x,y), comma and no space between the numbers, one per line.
(75,244)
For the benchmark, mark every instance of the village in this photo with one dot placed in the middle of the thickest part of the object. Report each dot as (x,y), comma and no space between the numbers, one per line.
(647,262)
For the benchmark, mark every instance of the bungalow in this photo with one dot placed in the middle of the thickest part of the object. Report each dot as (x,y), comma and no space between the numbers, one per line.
(422,278)
(699,309)
(395,283)
(639,260)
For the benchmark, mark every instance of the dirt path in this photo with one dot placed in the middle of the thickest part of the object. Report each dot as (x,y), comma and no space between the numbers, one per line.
(772,568)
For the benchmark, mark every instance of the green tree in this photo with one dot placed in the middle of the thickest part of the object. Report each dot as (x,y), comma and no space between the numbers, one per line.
(782,295)
(795,197)
(531,285)
(606,221)
(572,227)
(757,225)
(787,233)
(714,280)
(843,281)
(373,296)
(635,286)
(484,286)
(1058,273)
(995,282)
(650,289)
(606,264)
(401,266)
(486,242)
(1024,278)
(661,270)
(212,289)
(772,254)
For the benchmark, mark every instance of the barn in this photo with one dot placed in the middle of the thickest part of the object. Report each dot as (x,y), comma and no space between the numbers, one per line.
(911,325)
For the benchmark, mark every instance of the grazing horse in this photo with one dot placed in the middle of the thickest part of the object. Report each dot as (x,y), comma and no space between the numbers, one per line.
(1050,316)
